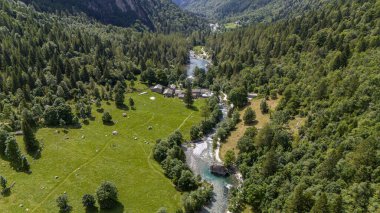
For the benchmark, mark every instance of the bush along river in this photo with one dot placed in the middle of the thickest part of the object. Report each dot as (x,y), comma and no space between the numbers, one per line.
(200,155)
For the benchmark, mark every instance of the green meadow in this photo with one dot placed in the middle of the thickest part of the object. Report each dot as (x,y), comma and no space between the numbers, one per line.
(76,161)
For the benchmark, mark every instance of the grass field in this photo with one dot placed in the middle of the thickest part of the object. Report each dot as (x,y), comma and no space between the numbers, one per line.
(83,158)
(262,120)
(231,26)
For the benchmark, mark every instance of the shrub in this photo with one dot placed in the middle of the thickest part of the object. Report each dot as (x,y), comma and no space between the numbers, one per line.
(107,118)
(63,204)
(107,195)
(88,201)
(249,116)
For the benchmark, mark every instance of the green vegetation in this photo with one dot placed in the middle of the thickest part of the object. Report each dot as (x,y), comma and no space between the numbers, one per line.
(93,148)
(231,26)
(249,116)
(161,16)
(248,10)
(324,66)
(63,204)
(107,195)
(75,89)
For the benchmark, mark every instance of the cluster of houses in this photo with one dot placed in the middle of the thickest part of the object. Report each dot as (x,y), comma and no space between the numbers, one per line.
(173,91)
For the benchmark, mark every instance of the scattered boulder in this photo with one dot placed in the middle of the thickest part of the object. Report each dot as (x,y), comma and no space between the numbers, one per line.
(150,127)
(56,177)
(115,133)
(21,205)
(124,114)
(83,137)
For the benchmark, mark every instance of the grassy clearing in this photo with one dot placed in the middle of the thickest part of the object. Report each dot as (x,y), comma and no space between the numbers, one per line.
(231,26)
(262,120)
(198,50)
(83,163)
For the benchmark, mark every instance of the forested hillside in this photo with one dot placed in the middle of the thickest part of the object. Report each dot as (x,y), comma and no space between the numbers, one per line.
(325,67)
(158,15)
(46,60)
(249,11)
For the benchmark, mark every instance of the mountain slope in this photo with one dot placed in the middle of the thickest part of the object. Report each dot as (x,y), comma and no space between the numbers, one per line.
(325,67)
(159,15)
(248,10)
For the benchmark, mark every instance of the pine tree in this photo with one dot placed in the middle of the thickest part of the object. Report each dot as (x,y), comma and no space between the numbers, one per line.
(119,98)
(31,143)
(188,99)
(337,205)
(25,166)
(131,102)
(264,107)
(249,116)
(321,205)
(13,154)
(3,138)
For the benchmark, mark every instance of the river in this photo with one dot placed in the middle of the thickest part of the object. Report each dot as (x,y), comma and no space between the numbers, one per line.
(201,155)
(196,61)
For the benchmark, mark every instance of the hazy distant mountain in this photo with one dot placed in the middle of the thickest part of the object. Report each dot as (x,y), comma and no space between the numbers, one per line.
(250,10)
(160,15)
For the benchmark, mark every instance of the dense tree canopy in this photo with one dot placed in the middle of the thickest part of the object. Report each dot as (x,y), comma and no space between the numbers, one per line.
(323,65)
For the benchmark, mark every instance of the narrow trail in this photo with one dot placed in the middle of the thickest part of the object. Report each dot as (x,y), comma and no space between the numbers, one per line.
(71,173)
(58,185)
(184,121)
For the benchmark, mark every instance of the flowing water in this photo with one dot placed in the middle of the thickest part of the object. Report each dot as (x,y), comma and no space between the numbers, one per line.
(201,155)
(196,61)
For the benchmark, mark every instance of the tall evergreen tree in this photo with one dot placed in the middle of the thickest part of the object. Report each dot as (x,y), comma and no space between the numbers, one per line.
(321,205)
(188,99)
(31,144)
(13,154)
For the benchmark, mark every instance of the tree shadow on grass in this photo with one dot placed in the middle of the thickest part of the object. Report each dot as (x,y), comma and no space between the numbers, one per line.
(110,123)
(119,208)
(123,107)
(94,209)
(194,108)
(251,124)
(6,192)
(101,110)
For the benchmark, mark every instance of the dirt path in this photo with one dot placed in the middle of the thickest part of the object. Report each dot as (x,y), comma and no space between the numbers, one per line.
(184,121)
(71,173)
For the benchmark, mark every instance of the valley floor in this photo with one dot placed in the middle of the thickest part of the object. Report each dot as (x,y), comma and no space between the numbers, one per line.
(76,161)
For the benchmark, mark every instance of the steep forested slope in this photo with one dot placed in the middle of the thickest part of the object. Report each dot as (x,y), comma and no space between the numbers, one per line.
(47,59)
(162,16)
(325,65)
(248,10)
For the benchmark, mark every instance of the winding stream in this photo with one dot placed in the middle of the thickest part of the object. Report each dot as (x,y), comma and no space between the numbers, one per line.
(201,156)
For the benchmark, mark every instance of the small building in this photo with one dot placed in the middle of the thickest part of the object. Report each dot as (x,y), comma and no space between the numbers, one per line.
(173,86)
(177,92)
(158,88)
(18,133)
(169,92)
(181,96)
(219,170)
(196,93)
(252,96)
(206,93)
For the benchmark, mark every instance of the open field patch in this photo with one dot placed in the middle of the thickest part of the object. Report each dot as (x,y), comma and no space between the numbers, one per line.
(76,161)
(262,120)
